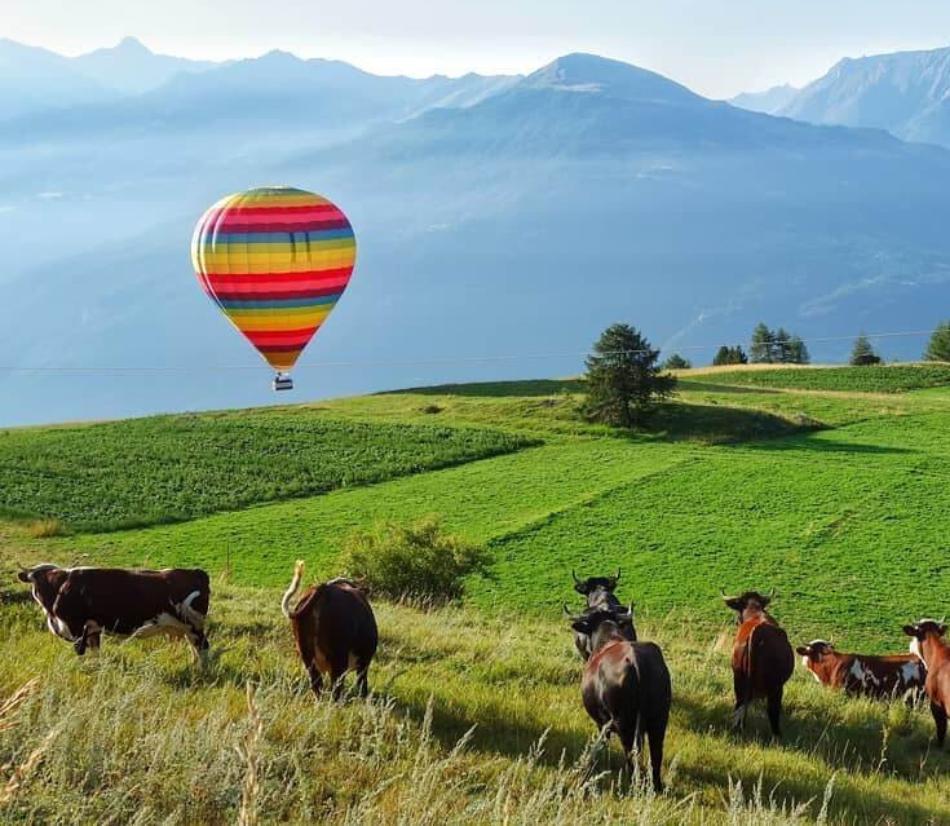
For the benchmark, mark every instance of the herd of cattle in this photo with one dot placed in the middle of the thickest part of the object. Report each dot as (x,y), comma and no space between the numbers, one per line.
(626,687)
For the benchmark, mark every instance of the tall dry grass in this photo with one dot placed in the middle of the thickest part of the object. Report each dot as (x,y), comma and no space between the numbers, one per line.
(472,720)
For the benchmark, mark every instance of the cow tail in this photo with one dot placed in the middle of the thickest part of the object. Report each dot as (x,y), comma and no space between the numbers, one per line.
(189,615)
(291,590)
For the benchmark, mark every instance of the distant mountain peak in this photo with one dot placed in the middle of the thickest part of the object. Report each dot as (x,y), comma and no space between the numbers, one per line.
(590,73)
(132,44)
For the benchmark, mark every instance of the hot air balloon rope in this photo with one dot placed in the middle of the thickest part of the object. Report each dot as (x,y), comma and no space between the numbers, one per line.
(435,360)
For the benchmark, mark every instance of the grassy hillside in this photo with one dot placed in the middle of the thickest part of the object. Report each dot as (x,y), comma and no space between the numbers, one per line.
(897,378)
(171,468)
(838,500)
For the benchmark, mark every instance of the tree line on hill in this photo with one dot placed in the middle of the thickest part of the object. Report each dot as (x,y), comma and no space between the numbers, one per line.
(625,380)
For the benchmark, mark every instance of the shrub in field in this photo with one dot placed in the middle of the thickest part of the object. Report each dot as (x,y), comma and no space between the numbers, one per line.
(419,561)
(42,528)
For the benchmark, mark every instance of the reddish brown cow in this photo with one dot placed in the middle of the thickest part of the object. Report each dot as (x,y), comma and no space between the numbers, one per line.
(82,603)
(894,675)
(335,631)
(927,642)
(626,686)
(762,659)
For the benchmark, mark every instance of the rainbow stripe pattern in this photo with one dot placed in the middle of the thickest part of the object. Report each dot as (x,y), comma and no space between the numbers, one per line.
(276,261)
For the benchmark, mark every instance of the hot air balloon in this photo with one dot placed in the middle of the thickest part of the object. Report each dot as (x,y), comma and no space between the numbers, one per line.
(275,260)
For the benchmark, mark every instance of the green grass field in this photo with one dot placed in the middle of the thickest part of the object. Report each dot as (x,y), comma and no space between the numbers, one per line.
(172,468)
(838,500)
(897,378)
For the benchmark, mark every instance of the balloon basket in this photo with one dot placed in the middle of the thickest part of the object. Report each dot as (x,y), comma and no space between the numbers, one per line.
(283,382)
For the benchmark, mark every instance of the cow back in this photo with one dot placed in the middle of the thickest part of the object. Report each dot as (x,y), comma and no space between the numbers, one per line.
(338,618)
(763,654)
(121,601)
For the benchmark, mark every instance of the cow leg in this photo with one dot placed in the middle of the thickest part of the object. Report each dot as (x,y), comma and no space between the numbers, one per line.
(337,675)
(316,679)
(742,703)
(199,643)
(940,718)
(656,736)
(775,711)
(362,678)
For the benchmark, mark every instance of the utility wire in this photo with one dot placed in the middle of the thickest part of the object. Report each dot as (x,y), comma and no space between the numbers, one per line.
(425,362)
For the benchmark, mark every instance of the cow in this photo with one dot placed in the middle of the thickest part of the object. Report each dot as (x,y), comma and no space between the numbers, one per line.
(335,631)
(626,687)
(82,603)
(599,591)
(928,643)
(893,675)
(762,659)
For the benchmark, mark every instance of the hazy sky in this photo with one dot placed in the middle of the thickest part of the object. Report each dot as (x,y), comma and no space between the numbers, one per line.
(717,47)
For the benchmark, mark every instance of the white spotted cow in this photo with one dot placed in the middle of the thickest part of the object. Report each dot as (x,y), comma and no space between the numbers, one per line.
(892,675)
(82,603)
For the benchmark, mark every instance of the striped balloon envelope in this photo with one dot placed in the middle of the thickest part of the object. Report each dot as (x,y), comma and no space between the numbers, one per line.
(276,261)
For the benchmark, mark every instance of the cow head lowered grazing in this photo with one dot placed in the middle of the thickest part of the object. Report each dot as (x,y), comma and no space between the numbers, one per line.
(928,642)
(762,658)
(335,631)
(626,687)
(893,675)
(82,603)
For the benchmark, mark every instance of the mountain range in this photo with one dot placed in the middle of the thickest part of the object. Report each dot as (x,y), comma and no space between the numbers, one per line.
(906,93)
(502,222)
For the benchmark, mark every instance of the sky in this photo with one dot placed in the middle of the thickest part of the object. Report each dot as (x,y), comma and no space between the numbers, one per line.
(716,47)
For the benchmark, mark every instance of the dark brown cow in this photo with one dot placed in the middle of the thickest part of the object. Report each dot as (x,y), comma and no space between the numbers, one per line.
(599,593)
(626,688)
(82,603)
(762,659)
(893,675)
(335,631)
(927,642)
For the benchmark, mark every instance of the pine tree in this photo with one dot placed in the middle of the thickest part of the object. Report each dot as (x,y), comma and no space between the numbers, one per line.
(676,362)
(730,355)
(782,346)
(624,382)
(795,351)
(939,347)
(762,350)
(863,353)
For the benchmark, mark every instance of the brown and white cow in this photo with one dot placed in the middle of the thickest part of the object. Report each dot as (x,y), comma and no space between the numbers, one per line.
(335,631)
(82,603)
(928,643)
(892,675)
(762,659)
(626,687)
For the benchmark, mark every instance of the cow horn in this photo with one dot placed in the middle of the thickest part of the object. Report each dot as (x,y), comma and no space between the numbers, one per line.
(567,612)
(617,577)
(576,580)
(771,593)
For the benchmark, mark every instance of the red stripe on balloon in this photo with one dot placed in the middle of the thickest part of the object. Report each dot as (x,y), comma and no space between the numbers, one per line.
(252,282)
(299,336)
(304,225)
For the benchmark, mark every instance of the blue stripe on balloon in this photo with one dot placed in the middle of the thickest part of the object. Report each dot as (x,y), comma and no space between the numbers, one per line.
(314,236)
(271,303)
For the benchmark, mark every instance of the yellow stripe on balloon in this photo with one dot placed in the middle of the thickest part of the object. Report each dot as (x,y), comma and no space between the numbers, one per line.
(222,264)
(271,320)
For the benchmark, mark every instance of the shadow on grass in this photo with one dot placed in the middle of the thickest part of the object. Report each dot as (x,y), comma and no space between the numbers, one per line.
(824,446)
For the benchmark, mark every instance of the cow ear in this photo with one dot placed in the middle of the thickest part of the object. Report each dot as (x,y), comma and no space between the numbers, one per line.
(910,630)
(581,626)
(733,602)
(803,650)
(23,576)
